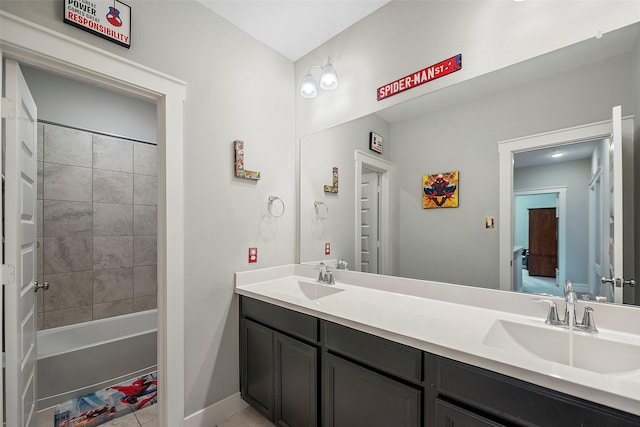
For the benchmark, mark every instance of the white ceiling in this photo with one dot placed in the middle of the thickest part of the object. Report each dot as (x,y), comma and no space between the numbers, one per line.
(293,27)
(570,152)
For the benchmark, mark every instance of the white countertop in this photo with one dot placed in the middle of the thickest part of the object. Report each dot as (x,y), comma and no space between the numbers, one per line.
(453,321)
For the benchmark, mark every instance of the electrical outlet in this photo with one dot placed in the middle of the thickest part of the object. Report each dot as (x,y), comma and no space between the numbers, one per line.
(253,255)
(327,248)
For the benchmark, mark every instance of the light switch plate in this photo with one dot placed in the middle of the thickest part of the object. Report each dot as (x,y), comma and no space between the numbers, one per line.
(489,222)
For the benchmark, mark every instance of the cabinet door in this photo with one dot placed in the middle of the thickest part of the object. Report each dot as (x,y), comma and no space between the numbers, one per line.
(355,396)
(257,367)
(453,416)
(296,373)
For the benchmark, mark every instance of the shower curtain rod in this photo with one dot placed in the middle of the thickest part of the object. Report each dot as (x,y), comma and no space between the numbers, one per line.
(97,132)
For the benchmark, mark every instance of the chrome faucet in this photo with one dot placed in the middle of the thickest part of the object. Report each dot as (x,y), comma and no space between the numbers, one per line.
(324,275)
(570,298)
(588,323)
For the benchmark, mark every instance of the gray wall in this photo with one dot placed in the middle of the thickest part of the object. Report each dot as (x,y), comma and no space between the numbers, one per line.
(237,88)
(76,104)
(575,176)
(319,153)
(434,243)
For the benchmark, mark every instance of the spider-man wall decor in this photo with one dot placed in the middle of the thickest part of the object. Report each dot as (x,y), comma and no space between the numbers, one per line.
(440,190)
(109,19)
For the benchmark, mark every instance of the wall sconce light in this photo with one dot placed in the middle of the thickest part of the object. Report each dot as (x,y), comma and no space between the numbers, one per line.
(328,80)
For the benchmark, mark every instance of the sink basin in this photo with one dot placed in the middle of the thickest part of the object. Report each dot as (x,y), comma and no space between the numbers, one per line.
(303,290)
(590,352)
(313,291)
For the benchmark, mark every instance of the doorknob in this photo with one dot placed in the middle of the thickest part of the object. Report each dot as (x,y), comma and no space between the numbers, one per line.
(605,281)
(43,286)
(617,282)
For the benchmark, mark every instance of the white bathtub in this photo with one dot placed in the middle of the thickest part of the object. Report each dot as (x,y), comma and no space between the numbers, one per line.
(79,359)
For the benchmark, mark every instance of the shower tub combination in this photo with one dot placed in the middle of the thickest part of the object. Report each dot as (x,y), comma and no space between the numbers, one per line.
(79,359)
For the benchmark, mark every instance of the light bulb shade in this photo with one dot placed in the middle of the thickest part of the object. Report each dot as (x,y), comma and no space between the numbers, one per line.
(328,77)
(308,87)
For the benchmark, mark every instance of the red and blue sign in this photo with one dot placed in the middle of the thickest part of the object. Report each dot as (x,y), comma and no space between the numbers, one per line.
(421,77)
(108,19)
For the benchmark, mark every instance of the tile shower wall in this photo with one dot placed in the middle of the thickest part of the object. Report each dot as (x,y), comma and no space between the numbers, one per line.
(96,226)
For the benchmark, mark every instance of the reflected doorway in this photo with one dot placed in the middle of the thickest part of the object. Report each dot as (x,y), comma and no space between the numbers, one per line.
(539,233)
(369,227)
(372,202)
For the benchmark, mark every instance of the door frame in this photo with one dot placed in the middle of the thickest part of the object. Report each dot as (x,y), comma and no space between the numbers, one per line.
(384,168)
(562,223)
(44,48)
(506,150)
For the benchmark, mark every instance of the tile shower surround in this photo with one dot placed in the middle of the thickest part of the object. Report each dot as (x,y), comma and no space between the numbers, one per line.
(96,226)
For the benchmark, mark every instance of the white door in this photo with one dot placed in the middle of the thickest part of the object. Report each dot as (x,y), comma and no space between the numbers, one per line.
(369,205)
(613,222)
(19,271)
(597,251)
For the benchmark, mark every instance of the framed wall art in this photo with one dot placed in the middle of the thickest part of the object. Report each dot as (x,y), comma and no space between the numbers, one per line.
(440,190)
(375,142)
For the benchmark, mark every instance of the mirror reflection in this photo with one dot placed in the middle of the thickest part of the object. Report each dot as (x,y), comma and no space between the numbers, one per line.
(376,221)
(553,206)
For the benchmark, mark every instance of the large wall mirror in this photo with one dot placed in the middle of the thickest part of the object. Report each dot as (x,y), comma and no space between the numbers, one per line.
(376,221)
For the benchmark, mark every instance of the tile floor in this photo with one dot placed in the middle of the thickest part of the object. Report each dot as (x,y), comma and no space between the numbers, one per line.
(248,417)
(148,417)
(537,284)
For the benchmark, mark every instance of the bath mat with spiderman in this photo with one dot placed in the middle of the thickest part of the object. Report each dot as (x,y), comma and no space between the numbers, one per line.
(109,403)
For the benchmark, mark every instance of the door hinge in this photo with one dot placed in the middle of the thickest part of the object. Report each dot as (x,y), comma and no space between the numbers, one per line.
(8,274)
(8,108)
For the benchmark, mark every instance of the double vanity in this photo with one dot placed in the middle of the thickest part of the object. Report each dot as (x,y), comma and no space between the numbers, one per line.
(371,350)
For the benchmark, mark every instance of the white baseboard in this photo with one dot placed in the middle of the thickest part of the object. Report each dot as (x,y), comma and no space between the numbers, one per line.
(216,413)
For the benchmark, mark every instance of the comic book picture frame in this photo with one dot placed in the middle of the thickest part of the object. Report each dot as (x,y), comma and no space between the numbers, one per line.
(441,190)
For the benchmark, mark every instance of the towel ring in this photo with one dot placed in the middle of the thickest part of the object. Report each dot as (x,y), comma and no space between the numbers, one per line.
(322,211)
(272,201)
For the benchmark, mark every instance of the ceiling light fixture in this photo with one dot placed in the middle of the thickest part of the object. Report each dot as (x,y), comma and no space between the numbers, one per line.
(557,154)
(328,80)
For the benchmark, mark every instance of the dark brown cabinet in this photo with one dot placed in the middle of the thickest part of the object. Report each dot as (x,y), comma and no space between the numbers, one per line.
(279,372)
(300,371)
(356,396)
(296,386)
(453,416)
(499,399)
(543,242)
(257,367)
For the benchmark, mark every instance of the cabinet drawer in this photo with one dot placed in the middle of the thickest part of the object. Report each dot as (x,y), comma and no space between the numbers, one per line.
(517,401)
(452,416)
(288,321)
(357,397)
(390,357)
